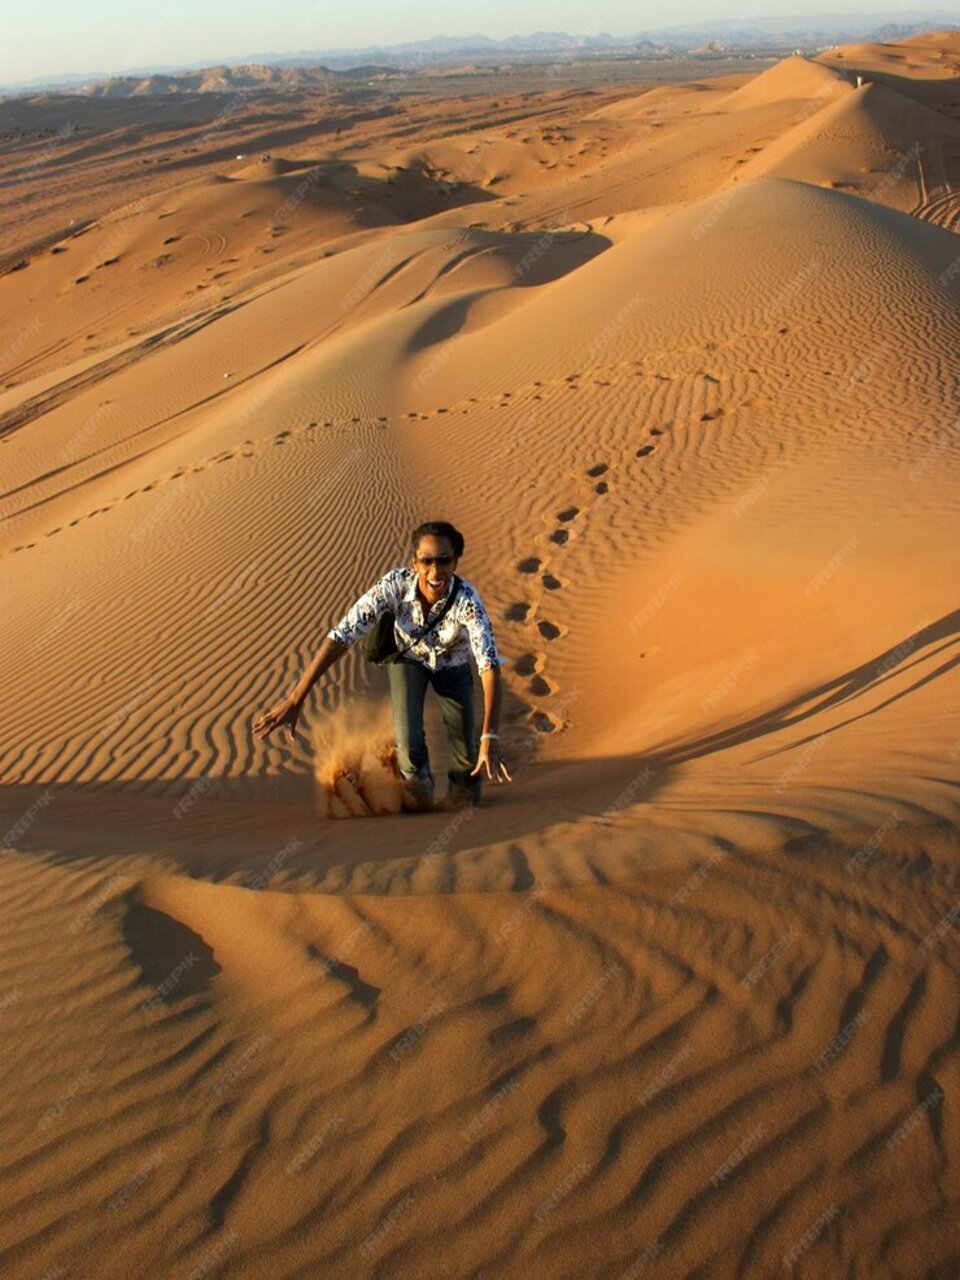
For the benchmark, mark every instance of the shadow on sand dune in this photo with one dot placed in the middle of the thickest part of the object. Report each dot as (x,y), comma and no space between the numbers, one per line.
(222,833)
(932,641)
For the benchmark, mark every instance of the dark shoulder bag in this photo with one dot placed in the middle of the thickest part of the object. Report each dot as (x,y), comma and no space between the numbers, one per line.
(379,643)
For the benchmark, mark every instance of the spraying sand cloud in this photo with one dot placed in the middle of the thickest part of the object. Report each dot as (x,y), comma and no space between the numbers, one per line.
(354,761)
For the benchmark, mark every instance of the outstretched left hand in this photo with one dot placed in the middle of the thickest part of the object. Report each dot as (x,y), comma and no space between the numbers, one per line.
(490,756)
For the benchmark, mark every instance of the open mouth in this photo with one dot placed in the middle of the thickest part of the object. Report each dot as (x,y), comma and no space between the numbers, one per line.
(437,583)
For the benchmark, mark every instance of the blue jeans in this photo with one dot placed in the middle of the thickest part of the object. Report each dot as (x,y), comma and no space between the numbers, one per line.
(454,689)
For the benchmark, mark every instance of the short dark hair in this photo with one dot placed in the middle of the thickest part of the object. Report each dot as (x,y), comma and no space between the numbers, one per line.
(439,529)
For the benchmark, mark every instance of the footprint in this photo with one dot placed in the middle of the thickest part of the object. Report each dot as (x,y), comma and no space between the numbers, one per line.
(550,582)
(602,487)
(541,687)
(549,630)
(709,417)
(543,722)
(568,514)
(530,565)
(518,612)
(600,469)
(559,536)
(528,664)
(646,449)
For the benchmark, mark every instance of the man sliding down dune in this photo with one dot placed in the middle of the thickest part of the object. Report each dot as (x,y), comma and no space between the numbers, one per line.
(438,619)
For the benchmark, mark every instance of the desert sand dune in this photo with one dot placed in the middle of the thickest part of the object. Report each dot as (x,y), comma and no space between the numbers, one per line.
(873,136)
(795,79)
(682,1000)
(924,67)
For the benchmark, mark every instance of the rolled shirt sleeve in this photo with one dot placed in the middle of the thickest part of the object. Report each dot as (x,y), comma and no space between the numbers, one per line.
(480,631)
(362,615)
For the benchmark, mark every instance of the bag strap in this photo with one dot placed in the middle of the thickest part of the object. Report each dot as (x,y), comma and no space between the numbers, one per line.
(439,618)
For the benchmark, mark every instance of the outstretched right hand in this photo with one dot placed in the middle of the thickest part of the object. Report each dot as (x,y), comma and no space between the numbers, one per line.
(285,712)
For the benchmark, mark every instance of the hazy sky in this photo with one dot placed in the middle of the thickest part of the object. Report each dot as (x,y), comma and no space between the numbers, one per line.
(49,37)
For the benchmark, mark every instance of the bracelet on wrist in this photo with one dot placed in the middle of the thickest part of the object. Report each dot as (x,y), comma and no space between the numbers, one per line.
(488,735)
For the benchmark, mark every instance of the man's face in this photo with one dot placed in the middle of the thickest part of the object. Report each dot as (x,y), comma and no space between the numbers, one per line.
(434,562)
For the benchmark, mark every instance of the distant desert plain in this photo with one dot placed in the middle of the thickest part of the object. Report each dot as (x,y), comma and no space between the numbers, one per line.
(682,361)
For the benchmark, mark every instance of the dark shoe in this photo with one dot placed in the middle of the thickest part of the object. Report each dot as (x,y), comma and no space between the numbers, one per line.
(459,797)
(417,796)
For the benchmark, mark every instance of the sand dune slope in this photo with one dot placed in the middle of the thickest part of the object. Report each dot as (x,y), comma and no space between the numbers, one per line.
(796,79)
(680,1001)
(868,142)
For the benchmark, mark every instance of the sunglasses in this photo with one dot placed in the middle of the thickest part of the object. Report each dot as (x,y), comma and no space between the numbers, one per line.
(441,561)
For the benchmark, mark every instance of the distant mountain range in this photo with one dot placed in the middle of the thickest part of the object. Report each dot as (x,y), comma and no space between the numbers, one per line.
(331,66)
(229,79)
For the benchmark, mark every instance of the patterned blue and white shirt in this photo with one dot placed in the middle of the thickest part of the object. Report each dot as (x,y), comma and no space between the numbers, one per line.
(465,627)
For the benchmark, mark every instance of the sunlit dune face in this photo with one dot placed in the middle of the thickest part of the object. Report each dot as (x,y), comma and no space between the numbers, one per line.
(434,562)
